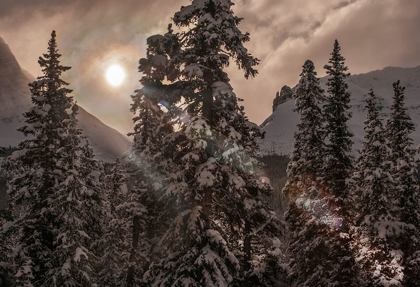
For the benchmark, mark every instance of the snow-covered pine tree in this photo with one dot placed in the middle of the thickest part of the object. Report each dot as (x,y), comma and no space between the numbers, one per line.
(6,248)
(116,184)
(76,206)
(146,163)
(373,170)
(32,189)
(114,240)
(375,241)
(399,127)
(406,191)
(6,218)
(222,232)
(315,231)
(57,204)
(306,162)
(339,161)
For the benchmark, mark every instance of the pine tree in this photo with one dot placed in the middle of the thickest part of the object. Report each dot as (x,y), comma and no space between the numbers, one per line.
(6,248)
(306,161)
(376,241)
(57,196)
(373,171)
(147,166)
(406,191)
(399,127)
(316,232)
(77,209)
(222,232)
(7,168)
(339,163)
(114,240)
(32,188)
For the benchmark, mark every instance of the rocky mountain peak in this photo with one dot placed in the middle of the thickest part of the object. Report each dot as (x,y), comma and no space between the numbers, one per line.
(285,94)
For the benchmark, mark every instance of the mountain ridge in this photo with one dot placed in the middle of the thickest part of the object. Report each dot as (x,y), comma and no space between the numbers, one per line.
(281,124)
(15,99)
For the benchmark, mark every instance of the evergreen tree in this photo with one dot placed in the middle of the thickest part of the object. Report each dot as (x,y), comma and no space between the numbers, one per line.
(339,161)
(406,191)
(143,207)
(114,240)
(32,189)
(306,161)
(399,127)
(6,248)
(58,200)
(316,232)
(222,232)
(376,242)
(373,170)
(7,168)
(77,208)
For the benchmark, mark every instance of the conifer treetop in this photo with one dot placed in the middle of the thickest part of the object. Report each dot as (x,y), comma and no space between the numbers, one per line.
(337,66)
(307,157)
(339,163)
(212,39)
(399,124)
(51,65)
(373,171)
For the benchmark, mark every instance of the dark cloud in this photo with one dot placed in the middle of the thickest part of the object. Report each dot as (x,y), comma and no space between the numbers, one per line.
(95,34)
(344,4)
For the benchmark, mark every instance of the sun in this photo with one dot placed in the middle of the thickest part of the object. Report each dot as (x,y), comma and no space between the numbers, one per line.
(115,75)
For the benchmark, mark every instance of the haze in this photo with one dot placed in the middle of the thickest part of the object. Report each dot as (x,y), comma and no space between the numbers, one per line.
(94,35)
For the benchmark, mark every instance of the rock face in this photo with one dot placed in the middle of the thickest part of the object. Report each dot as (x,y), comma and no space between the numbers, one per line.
(281,97)
(281,125)
(15,100)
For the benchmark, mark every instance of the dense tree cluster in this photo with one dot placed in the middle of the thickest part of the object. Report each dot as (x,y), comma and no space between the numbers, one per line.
(355,220)
(187,205)
(55,190)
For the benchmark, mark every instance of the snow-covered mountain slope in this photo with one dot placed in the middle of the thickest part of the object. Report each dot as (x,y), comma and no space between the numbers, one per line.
(281,125)
(15,100)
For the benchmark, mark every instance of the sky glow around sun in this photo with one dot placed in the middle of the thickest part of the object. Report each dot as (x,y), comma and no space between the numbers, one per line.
(115,75)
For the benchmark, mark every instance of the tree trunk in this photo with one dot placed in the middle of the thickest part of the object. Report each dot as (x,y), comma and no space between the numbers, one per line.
(208,105)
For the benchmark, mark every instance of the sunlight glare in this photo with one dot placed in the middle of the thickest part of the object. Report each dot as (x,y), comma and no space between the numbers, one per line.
(115,75)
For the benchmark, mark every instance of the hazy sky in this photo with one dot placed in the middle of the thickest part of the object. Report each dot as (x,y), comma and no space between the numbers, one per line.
(94,34)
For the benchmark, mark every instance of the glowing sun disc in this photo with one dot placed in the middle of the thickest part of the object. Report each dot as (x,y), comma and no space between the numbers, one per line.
(115,75)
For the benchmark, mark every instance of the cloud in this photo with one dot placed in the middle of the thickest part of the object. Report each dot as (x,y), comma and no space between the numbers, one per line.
(92,35)
(96,34)
(373,35)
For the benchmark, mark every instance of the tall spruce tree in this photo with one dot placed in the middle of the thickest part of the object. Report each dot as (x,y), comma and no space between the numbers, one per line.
(316,232)
(77,206)
(339,164)
(406,191)
(222,232)
(57,204)
(147,165)
(6,248)
(32,189)
(399,127)
(114,240)
(379,259)
(373,170)
(7,168)
(306,161)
